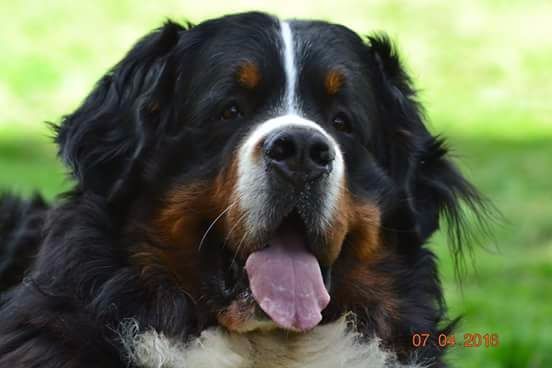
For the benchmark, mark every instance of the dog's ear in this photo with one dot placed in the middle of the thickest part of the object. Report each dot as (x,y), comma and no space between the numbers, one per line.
(103,141)
(431,186)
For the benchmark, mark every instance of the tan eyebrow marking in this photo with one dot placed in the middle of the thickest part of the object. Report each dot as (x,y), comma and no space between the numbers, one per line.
(248,75)
(334,81)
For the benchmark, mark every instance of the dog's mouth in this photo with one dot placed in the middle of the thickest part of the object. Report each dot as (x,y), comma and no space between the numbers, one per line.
(282,282)
(286,280)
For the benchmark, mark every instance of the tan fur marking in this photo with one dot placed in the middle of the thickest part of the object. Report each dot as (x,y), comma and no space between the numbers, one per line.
(366,231)
(361,285)
(177,228)
(338,229)
(235,315)
(249,75)
(240,316)
(333,82)
(360,282)
(154,106)
(358,219)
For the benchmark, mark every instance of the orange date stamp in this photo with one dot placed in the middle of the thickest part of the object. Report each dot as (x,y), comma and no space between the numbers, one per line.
(471,340)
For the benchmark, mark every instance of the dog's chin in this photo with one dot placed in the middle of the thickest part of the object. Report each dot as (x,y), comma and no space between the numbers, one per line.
(257,298)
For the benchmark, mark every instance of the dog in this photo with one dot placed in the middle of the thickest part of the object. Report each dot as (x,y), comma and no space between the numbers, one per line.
(248,192)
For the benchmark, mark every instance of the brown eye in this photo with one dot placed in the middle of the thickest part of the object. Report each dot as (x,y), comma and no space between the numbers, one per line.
(341,123)
(232,111)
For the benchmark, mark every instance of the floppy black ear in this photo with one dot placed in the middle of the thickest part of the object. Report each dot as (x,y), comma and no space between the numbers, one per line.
(432,187)
(104,140)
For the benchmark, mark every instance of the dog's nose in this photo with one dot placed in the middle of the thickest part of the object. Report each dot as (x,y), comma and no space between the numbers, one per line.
(299,154)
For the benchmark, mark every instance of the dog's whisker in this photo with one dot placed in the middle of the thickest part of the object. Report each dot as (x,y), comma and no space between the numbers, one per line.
(213,224)
(234,226)
(245,235)
(239,246)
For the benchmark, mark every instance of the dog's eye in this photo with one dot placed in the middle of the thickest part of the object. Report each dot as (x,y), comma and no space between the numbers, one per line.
(231,111)
(341,123)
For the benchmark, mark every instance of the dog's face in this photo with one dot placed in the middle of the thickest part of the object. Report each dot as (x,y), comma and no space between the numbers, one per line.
(279,172)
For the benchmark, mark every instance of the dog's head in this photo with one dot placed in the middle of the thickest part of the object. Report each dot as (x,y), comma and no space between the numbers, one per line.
(279,172)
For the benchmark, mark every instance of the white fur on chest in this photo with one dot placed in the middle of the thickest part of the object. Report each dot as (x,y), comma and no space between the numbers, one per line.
(328,346)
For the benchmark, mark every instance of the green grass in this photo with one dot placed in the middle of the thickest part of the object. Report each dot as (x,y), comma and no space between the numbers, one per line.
(483,68)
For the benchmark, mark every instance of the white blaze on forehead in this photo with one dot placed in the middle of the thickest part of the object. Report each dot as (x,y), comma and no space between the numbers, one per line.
(252,185)
(289,66)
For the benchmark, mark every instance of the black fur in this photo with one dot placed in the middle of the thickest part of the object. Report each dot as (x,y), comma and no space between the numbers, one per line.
(153,121)
(20,235)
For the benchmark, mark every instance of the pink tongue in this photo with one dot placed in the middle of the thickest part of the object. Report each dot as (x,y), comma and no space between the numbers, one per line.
(286,282)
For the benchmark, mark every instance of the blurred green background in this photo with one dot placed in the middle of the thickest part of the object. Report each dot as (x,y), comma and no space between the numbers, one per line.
(484,70)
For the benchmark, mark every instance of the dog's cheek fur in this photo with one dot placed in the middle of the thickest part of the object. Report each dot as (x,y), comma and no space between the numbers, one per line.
(366,231)
(390,297)
(392,292)
(234,220)
(359,283)
(188,216)
(173,235)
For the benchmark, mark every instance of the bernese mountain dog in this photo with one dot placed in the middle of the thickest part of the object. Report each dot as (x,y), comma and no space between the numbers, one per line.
(249,192)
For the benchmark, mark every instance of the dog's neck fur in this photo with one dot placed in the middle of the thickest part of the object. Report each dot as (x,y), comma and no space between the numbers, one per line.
(329,346)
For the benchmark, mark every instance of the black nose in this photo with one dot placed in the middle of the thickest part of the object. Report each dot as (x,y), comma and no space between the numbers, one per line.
(299,154)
